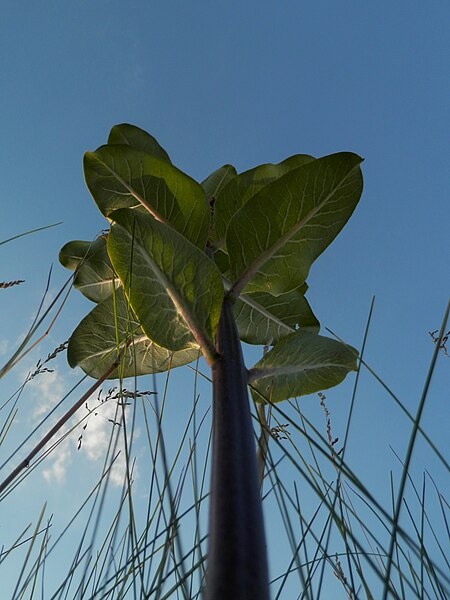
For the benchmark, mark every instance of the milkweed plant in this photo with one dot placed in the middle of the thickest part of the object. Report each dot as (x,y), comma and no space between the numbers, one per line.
(188,269)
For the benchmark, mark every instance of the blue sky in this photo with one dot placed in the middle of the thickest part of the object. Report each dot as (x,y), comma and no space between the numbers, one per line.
(246,83)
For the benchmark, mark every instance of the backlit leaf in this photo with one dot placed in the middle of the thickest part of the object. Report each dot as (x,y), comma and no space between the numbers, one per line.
(263,319)
(217,180)
(240,189)
(299,364)
(212,186)
(276,236)
(137,138)
(94,273)
(175,290)
(119,176)
(94,344)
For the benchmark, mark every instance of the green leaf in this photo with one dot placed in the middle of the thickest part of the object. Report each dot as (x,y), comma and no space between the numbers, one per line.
(299,364)
(212,186)
(137,138)
(175,290)
(240,189)
(94,273)
(119,176)
(276,236)
(72,253)
(217,180)
(263,319)
(94,344)
(222,261)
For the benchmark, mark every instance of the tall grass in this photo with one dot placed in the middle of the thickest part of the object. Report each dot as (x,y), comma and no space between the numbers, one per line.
(330,534)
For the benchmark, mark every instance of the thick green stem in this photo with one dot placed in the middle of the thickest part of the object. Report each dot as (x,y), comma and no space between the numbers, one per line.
(237,561)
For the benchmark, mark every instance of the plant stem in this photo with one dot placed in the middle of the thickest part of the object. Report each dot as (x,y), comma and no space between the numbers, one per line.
(237,561)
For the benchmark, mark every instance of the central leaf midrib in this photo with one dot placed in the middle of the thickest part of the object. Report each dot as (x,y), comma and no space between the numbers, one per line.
(255,305)
(136,340)
(100,282)
(135,195)
(180,305)
(264,372)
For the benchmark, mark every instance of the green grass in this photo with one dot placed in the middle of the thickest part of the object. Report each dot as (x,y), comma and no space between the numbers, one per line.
(329,534)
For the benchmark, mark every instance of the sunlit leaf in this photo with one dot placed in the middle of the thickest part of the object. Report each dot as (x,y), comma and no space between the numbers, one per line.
(276,236)
(107,329)
(119,176)
(217,180)
(263,319)
(175,290)
(72,253)
(299,364)
(212,186)
(240,189)
(137,138)
(94,273)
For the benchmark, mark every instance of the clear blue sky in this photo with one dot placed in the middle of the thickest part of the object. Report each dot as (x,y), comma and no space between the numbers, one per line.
(246,83)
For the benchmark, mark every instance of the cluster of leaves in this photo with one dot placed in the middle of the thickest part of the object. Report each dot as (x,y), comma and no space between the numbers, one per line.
(176,248)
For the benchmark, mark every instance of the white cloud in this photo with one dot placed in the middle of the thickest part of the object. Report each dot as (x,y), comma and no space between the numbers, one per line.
(43,393)
(95,432)
(48,389)
(97,435)
(57,469)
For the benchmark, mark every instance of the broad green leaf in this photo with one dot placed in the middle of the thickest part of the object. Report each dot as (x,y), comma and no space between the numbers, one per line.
(94,344)
(240,189)
(120,176)
(299,364)
(222,261)
(137,138)
(263,319)
(94,273)
(217,180)
(72,253)
(276,236)
(175,289)
(212,186)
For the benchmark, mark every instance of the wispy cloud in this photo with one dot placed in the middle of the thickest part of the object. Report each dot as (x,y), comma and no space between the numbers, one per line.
(90,440)
(59,465)
(97,435)
(47,389)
